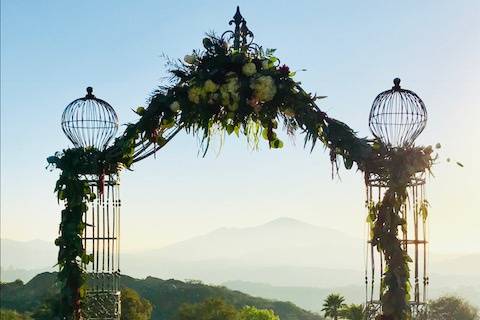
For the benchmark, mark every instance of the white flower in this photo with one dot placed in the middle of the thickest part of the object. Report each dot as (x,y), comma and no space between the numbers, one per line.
(175,106)
(263,87)
(210,86)
(229,93)
(249,69)
(190,59)
(194,94)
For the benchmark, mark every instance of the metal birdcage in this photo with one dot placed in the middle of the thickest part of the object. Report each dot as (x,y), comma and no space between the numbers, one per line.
(398,116)
(90,122)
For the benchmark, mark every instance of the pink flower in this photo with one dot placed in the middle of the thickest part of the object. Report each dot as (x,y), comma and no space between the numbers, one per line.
(284,69)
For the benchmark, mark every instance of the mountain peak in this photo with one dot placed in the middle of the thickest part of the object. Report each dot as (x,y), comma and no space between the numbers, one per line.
(286,222)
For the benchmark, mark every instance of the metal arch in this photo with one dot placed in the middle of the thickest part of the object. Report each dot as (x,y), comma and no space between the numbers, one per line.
(398,116)
(89,122)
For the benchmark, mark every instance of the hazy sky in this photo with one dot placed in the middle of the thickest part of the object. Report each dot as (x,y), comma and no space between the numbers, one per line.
(52,50)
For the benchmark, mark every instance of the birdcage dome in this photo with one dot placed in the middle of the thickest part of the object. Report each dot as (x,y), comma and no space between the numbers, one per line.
(90,122)
(398,116)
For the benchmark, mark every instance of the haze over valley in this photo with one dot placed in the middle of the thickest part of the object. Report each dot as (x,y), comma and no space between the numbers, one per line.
(283,259)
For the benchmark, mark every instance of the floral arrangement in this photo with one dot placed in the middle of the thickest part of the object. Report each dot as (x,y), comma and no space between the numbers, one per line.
(236,91)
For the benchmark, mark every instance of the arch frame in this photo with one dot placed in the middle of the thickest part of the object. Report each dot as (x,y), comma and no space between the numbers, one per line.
(238,89)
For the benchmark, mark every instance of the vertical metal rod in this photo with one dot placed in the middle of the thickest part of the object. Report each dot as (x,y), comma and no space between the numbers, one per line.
(425,276)
(114,242)
(118,231)
(105,203)
(108,228)
(415,222)
(368,233)
(373,271)
(98,235)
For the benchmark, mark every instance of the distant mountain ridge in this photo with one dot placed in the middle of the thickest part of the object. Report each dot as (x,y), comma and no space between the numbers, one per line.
(282,252)
(283,259)
(310,297)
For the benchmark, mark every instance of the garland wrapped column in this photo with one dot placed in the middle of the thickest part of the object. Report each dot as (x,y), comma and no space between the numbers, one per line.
(89,230)
(397,209)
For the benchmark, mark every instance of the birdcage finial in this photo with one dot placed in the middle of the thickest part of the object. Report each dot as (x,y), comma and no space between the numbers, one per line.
(89,122)
(90,93)
(397,117)
(396,84)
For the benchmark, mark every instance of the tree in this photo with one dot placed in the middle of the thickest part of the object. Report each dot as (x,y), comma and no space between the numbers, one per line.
(49,309)
(333,305)
(211,309)
(12,315)
(252,313)
(135,307)
(450,307)
(353,312)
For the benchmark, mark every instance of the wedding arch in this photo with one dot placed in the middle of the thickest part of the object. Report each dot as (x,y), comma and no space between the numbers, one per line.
(233,86)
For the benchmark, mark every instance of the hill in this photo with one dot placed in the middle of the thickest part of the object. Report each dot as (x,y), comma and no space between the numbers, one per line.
(165,295)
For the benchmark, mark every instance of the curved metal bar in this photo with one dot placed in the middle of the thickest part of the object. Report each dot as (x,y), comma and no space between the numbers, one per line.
(156,147)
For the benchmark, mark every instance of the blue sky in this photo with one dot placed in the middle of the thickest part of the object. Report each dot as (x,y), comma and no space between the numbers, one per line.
(52,50)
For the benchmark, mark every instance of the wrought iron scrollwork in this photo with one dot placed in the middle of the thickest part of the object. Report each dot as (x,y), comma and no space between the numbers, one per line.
(242,36)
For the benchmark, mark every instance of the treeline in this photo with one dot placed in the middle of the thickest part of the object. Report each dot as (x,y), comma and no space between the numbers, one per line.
(157,299)
(166,297)
(444,308)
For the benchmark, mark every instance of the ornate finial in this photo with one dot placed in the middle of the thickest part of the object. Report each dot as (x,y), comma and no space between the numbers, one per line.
(89,122)
(396,83)
(90,93)
(237,18)
(397,117)
(241,34)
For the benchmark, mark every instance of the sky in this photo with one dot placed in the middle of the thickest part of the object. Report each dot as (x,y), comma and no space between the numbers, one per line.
(351,50)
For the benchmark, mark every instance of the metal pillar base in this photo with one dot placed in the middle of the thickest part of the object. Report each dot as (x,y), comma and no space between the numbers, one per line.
(100,305)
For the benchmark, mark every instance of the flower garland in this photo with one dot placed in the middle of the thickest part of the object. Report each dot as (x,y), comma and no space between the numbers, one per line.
(245,92)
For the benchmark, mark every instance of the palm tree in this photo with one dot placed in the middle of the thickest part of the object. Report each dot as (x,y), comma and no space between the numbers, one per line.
(332,306)
(353,312)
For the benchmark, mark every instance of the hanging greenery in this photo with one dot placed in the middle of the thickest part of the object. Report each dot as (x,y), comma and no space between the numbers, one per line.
(397,168)
(242,91)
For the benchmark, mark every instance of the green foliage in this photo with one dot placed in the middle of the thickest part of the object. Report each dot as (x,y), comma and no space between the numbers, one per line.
(353,312)
(6,314)
(252,313)
(28,297)
(50,309)
(135,307)
(218,309)
(333,305)
(450,307)
(212,309)
(165,296)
